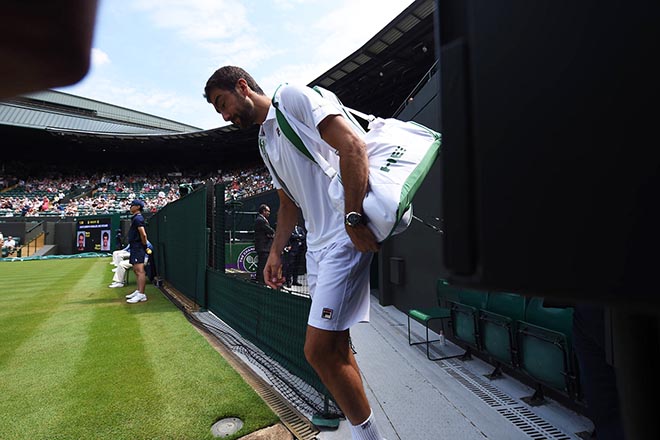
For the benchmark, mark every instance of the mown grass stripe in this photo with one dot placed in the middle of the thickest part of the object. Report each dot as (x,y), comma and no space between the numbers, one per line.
(54,341)
(18,324)
(114,355)
(100,368)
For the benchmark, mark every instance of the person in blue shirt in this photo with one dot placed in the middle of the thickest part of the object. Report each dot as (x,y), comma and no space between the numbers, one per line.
(137,242)
(119,278)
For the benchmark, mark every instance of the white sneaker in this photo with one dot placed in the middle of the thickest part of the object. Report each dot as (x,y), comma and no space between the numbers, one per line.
(137,298)
(131,295)
(115,285)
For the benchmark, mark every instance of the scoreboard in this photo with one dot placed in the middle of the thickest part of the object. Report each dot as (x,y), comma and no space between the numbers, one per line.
(95,233)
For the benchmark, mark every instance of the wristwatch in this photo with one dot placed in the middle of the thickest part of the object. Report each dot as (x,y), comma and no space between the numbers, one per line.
(353,219)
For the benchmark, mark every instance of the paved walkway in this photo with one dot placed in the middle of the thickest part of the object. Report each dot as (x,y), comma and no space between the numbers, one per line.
(414,398)
(417,399)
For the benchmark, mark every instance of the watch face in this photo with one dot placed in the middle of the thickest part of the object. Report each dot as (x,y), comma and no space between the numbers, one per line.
(353,219)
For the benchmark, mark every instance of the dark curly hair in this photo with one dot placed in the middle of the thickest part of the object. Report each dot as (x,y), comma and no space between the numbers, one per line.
(225,78)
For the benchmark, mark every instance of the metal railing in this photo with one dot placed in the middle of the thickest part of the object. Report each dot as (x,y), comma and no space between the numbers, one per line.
(32,246)
(427,76)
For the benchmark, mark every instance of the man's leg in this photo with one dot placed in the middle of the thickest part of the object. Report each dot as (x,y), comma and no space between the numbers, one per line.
(338,279)
(293,271)
(262,257)
(140,276)
(120,274)
(329,353)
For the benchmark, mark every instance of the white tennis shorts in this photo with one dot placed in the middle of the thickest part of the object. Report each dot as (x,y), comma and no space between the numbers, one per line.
(338,278)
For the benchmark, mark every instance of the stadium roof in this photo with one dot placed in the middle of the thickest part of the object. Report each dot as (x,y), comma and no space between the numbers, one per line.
(376,79)
(52,109)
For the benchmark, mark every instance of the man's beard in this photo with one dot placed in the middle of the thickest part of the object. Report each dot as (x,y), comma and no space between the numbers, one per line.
(245,118)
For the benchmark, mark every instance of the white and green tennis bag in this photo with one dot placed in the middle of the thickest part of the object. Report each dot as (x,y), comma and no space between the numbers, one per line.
(400,156)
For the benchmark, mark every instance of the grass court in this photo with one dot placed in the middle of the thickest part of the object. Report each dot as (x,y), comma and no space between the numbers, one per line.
(77,362)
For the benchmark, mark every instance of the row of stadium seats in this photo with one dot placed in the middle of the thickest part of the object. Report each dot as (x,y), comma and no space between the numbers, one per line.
(510,330)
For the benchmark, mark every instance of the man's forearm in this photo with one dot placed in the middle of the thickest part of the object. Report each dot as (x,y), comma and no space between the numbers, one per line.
(353,160)
(286,220)
(354,167)
(287,217)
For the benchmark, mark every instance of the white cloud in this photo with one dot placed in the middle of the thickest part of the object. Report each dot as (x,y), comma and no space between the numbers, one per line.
(291,4)
(247,52)
(99,58)
(198,20)
(283,40)
(346,29)
(220,28)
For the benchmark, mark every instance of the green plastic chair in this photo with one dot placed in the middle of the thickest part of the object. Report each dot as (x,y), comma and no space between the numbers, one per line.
(545,346)
(465,316)
(427,315)
(498,324)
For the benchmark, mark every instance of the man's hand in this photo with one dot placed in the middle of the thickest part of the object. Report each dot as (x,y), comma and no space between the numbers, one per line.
(273,272)
(363,239)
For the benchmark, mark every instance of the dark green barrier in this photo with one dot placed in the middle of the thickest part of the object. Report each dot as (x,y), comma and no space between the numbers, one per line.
(218,248)
(179,234)
(273,320)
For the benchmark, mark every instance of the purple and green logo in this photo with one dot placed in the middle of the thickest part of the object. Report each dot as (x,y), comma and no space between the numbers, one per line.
(247,260)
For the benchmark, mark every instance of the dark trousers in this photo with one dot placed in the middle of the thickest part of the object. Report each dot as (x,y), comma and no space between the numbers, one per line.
(290,267)
(262,257)
(597,377)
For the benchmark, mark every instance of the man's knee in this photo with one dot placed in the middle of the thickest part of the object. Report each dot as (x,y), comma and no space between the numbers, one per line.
(323,347)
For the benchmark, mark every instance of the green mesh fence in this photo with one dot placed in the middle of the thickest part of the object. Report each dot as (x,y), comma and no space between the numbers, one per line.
(179,235)
(275,322)
(218,245)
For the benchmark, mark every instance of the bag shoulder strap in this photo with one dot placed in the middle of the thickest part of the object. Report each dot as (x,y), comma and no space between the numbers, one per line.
(348,112)
(292,135)
(288,131)
(272,169)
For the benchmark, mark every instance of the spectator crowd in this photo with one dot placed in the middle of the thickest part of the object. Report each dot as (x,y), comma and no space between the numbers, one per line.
(108,194)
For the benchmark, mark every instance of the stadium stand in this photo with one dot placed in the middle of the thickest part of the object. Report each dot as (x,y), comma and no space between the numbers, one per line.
(105,193)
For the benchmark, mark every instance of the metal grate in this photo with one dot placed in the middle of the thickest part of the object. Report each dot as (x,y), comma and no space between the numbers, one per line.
(521,417)
(531,424)
(299,425)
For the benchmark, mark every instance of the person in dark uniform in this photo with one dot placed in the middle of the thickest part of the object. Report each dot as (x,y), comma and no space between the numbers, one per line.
(118,239)
(137,241)
(292,256)
(263,238)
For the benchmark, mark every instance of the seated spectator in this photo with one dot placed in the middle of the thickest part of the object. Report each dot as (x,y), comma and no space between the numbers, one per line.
(119,278)
(120,255)
(9,246)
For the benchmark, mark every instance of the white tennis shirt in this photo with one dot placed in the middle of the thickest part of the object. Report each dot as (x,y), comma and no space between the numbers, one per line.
(302,178)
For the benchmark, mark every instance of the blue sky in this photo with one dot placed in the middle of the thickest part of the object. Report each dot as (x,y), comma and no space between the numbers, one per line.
(156,55)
